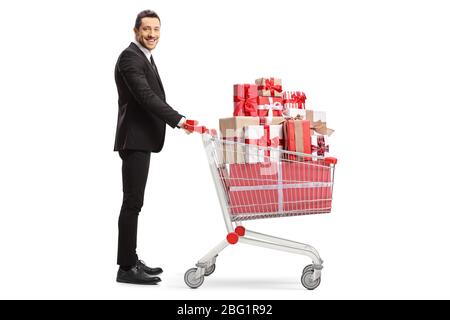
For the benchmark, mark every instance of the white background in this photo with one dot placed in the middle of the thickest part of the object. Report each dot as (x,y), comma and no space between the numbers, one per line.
(380,69)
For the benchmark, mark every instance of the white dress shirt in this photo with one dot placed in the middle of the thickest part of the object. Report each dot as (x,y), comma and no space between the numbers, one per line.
(147,52)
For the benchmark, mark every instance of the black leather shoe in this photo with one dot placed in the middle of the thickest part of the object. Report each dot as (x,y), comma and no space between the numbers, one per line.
(136,275)
(148,270)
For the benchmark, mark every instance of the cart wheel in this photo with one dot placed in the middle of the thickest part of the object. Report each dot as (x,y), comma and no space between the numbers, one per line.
(307,281)
(210,270)
(191,281)
(307,268)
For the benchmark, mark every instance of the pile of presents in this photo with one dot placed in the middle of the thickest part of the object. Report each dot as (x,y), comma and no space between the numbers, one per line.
(266,116)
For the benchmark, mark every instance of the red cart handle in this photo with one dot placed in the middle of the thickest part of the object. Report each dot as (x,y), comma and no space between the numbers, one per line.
(192,126)
(330,160)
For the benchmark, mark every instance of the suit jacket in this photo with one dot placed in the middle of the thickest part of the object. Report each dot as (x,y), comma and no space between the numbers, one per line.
(143,111)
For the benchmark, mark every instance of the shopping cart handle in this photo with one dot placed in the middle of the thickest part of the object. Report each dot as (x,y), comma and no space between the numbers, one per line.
(191,122)
(192,126)
(330,160)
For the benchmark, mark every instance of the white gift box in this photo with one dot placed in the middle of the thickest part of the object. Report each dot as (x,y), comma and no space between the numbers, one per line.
(259,138)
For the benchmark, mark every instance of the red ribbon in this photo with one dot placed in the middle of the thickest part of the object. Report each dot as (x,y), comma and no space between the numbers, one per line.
(321,148)
(297,97)
(265,141)
(245,105)
(270,85)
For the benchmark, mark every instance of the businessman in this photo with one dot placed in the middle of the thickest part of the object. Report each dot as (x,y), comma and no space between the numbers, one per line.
(141,126)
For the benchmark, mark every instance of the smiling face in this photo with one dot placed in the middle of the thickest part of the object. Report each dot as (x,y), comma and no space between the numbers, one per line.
(148,32)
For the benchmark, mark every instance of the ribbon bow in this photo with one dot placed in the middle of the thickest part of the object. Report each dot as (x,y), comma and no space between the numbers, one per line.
(266,142)
(297,97)
(321,148)
(246,105)
(269,109)
(270,85)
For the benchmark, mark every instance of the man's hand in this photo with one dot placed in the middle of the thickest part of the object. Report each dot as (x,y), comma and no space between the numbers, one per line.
(188,128)
(183,125)
(187,131)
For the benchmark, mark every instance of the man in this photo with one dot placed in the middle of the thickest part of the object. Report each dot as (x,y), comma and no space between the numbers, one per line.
(143,115)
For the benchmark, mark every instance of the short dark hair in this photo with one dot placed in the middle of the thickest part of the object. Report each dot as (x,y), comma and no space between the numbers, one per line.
(145,14)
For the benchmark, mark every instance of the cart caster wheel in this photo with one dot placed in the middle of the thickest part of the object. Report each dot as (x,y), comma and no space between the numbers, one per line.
(210,270)
(309,267)
(191,281)
(307,281)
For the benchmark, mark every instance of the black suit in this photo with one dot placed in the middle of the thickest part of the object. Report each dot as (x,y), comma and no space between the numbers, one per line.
(143,111)
(141,127)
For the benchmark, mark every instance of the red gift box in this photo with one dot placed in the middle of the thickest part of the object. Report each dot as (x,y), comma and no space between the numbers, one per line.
(297,136)
(294,99)
(245,103)
(263,136)
(264,104)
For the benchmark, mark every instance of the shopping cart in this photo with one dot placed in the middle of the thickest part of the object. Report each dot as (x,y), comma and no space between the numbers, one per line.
(257,182)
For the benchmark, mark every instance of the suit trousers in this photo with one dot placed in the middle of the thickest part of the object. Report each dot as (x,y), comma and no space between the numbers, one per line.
(135,165)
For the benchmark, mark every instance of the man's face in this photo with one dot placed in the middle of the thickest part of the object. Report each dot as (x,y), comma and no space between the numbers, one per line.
(148,32)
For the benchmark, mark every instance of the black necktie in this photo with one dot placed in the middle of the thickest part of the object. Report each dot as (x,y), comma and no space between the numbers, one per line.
(152,62)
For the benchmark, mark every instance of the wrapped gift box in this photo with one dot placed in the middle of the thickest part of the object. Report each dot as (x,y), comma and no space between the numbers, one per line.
(293,101)
(269,87)
(314,116)
(265,104)
(232,129)
(319,145)
(244,98)
(318,119)
(273,120)
(254,139)
(310,115)
(293,112)
(263,136)
(318,122)
(297,136)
